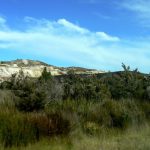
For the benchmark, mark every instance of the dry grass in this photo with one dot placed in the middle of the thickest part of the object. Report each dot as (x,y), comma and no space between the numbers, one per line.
(132,139)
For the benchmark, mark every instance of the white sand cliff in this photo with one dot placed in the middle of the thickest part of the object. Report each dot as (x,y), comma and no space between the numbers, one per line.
(35,68)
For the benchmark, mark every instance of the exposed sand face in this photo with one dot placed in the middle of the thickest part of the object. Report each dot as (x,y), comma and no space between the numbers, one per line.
(32,71)
(6,70)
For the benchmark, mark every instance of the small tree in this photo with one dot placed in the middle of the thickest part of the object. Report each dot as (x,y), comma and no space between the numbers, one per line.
(45,75)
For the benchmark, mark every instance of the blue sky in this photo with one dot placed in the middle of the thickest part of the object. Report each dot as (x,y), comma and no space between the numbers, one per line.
(97,34)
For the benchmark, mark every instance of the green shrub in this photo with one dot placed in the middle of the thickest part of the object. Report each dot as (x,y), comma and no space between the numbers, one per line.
(108,113)
(135,113)
(33,102)
(119,118)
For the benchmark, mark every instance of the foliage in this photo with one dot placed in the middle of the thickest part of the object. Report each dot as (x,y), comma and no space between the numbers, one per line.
(45,75)
(32,109)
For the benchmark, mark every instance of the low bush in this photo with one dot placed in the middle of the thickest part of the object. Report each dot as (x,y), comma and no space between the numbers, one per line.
(29,102)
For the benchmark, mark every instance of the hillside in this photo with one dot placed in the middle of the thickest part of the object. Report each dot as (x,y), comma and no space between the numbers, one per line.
(34,69)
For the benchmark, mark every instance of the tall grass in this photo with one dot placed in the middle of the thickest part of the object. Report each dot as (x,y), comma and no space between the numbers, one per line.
(64,118)
(20,129)
(131,139)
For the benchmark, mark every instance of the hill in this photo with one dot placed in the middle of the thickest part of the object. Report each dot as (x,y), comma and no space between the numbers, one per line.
(34,69)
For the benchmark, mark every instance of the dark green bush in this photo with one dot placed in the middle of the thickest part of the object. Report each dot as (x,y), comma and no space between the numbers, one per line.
(33,102)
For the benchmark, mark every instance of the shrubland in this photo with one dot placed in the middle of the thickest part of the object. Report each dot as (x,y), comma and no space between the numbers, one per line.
(71,107)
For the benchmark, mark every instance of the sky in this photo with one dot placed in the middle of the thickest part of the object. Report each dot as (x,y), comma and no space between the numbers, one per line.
(99,34)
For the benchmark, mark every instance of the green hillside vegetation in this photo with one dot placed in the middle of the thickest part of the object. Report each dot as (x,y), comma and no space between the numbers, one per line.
(104,111)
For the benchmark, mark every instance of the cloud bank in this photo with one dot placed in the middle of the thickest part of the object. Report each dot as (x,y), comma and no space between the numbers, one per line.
(72,45)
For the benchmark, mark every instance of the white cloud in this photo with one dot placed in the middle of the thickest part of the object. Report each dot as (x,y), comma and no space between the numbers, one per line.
(140,7)
(74,45)
(2,20)
(71,26)
(107,37)
(2,23)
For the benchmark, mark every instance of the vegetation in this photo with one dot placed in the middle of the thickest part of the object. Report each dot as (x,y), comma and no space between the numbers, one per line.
(97,109)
